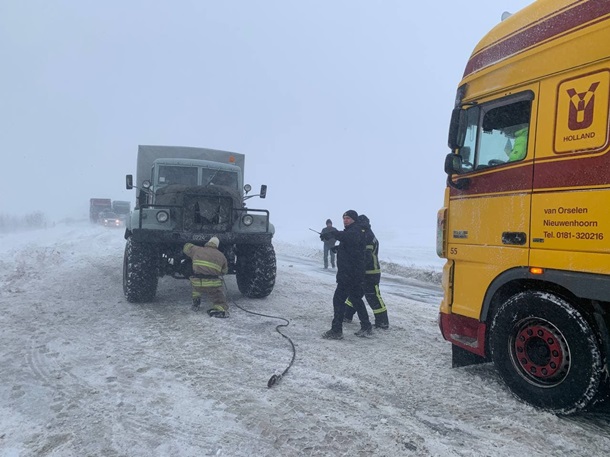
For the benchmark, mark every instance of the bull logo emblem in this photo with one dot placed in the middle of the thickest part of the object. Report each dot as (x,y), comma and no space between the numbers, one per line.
(581,108)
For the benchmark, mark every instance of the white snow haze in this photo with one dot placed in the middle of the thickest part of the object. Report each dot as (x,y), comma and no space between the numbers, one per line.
(336,105)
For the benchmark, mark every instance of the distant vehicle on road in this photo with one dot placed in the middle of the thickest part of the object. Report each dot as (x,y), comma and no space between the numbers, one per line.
(98,206)
(109,219)
(122,209)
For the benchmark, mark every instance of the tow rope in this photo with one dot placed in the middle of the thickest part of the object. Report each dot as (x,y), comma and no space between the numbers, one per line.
(273,380)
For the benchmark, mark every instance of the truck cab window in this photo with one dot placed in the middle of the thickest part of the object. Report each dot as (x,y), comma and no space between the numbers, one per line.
(177,175)
(495,133)
(504,133)
(224,178)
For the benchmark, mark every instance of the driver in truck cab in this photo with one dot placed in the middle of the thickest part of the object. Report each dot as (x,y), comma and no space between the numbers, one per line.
(519,147)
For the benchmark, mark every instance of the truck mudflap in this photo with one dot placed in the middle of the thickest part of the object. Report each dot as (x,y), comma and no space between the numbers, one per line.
(464,332)
(180,237)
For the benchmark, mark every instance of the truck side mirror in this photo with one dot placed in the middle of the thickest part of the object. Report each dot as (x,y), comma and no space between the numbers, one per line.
(263,192)
(455,139)
(129,182)
(453,164)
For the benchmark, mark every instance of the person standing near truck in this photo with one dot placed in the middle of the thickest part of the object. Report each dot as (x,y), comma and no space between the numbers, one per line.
(371,279)
(350,276)
(329,243)
(209,265)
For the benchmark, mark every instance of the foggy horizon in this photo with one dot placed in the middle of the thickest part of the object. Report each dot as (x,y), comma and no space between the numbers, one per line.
(335,106)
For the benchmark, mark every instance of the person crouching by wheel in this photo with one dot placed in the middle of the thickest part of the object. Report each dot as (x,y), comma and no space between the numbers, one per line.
(209,265)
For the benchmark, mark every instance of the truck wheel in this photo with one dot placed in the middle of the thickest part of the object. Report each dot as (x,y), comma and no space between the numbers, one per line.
(255,270)
(139,272)
(546,352)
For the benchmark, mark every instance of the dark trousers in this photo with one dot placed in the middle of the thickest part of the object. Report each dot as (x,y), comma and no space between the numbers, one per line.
(373,298)
(327,252)
(342,293)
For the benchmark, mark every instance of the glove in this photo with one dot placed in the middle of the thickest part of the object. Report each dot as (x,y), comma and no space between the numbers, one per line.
(325,236)
(334,249)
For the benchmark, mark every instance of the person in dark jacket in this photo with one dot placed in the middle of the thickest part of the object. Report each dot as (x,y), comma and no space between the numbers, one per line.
(350,276)
(209,265)
(329,243)
(371,279)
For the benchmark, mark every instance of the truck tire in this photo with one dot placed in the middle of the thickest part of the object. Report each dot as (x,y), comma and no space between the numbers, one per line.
(140,276)
(546,352)
(256,270)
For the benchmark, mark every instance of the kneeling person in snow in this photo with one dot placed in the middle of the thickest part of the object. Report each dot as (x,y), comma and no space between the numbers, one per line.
(209,265)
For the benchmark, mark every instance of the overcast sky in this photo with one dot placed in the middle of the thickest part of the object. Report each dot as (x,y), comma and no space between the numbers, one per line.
(337,104)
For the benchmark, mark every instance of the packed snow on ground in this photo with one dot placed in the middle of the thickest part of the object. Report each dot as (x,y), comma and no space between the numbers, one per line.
(84,372)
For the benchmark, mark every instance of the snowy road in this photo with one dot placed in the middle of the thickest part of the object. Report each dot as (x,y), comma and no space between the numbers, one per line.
(86,373)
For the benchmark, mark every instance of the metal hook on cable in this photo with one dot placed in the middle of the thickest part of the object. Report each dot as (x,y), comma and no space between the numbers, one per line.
(274,379)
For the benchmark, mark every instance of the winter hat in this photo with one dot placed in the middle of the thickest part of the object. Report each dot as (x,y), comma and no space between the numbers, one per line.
(214,242)
(353,215)
(328,221)
(365,220)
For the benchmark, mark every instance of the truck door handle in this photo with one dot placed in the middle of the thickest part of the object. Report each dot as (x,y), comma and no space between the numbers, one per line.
(515,238)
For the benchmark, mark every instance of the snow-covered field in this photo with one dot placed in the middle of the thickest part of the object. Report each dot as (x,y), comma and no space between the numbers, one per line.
(84,373)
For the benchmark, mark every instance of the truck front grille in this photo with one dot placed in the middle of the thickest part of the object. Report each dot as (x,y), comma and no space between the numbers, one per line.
(208,213)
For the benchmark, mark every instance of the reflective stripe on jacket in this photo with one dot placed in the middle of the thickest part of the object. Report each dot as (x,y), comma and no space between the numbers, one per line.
(205,282)
(207,260)
(206,264)
(371,259)
(371,256)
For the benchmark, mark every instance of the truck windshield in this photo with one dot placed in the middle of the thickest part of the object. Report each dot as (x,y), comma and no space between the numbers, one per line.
(220,178)
(177,175)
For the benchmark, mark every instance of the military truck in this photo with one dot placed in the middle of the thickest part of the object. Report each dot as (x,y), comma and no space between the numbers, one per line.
(188,195)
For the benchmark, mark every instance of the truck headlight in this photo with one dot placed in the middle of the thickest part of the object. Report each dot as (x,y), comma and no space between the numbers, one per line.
(247,220)
(162,216)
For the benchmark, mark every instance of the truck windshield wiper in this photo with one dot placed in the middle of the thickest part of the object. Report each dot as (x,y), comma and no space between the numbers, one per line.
(212,178)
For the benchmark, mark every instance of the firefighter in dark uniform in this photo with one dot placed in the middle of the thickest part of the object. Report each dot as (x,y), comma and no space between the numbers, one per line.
(350,276)
(371,279)
(209,265)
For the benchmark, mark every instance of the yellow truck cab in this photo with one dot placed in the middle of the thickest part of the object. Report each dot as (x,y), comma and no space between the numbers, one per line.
(525,224)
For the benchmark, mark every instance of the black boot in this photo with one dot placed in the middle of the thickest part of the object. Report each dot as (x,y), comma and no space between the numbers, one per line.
(381,321)
(365,331)
(332,335)
(218,313)
(196,304)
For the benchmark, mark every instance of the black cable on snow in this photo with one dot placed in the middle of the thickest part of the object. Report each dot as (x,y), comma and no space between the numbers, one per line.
(273,380)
